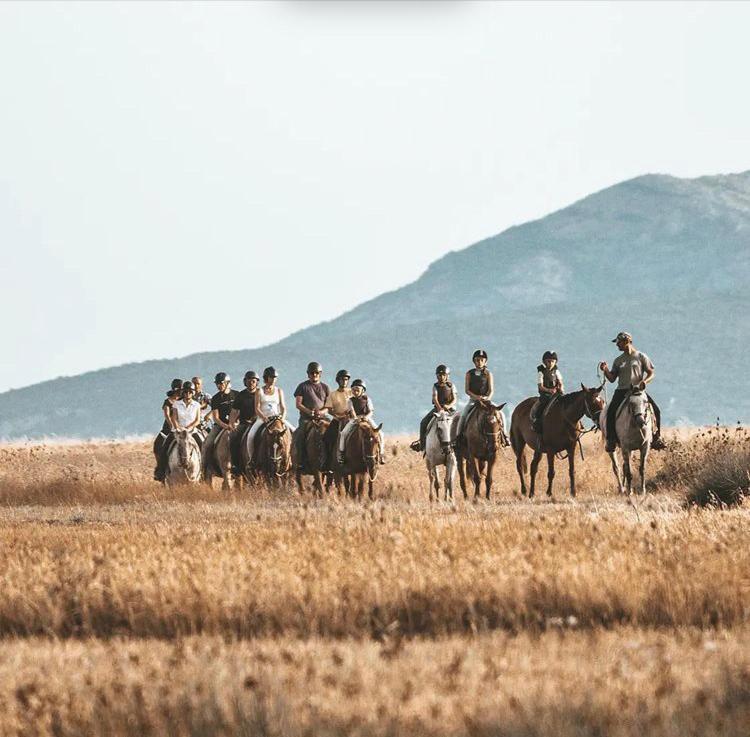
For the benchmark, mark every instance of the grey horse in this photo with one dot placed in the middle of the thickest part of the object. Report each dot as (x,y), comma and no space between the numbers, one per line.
(439,452)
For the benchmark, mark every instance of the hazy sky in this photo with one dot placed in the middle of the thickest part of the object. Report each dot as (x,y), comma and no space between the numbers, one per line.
(184,177)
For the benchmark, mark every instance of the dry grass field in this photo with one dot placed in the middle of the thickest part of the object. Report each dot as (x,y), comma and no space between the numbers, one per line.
(128,609)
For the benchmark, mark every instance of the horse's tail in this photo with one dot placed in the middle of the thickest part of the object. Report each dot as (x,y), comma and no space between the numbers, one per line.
(517,443)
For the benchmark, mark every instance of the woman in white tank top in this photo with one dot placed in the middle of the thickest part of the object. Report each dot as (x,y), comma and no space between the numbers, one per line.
(269,402)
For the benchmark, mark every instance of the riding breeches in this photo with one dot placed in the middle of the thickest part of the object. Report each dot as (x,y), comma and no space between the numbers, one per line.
(347,431)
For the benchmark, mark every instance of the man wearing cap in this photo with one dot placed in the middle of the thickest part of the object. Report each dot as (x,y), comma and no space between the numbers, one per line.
(310,398)
(631,370)
(204,399)
(221,409)
(242,417)
(337,405)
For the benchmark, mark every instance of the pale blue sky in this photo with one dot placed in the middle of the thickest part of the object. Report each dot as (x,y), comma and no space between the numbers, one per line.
(293,160)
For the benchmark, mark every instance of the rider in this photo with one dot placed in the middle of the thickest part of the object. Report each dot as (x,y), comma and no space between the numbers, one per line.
(183,409)
(166,429)
(310,398)
(360,409)
(221,409)
(242,416)
(204,399)
(337,405)
(479,385)
(632,370)
(443,399)
(549,383)
(269,402)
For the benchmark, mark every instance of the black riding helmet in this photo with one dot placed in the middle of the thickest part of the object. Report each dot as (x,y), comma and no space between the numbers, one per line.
(176,384)
(188,387)
(250,375)
(549,354)
(479,353)
(359,382)
(314,367)
(442,369)
(221,376)
(270,372)
(342,374)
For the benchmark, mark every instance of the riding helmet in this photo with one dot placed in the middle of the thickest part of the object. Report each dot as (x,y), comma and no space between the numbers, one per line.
(250,375)
(342,374)
(270,372)
(188,386)
(479,353)
(549,354)
(314,366)
(176,384)
(221,376)
(359,382)
(442,369)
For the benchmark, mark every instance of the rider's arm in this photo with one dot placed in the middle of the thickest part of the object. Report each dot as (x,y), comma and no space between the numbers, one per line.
(560,385)
(491,389)
(234,415)
(196,421)
(301,407)
(471,394)
(167,410)
(370,409)
(173,418)
(282,404)
(258,413)
(436,401)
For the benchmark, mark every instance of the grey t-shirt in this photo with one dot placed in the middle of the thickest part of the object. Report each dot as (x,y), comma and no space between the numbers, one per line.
(630,368)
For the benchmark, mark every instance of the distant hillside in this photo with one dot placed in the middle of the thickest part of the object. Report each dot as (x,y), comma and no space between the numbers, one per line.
(666,258)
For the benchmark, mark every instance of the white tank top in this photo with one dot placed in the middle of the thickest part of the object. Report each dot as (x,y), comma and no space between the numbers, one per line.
(270,404)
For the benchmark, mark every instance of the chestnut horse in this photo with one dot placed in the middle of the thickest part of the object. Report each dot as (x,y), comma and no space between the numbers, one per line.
(315,454)
(484,435)
(273,457)
(361,459)
(560,432)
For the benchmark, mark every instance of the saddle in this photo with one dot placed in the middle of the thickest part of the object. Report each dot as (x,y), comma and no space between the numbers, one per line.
(547,408)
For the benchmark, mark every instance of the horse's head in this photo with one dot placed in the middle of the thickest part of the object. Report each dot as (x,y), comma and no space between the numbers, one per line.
(278,447)
(493,426)
(370,446)
(443,422)
(593,403)
(639,408)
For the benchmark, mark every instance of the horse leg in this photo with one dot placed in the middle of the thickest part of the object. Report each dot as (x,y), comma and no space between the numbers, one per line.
(477,467)
(616,470)
(450,472)
(572,469)
(370,485)
(644,456)
(550,472)
(488,478)
(520,465)
(627,472)
(431,474)
(461,464)
(532,471)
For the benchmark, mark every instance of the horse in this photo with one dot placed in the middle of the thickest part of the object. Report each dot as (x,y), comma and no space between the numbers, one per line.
(439,452)
(219,461)
(484,435)
(184,462)
(635,430)
(561,430)
(315,454)
(361,459)
(273,457)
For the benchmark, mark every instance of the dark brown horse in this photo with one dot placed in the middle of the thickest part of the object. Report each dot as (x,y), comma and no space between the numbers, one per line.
(361,459)
(484,435)
(273,457)
(560,433)
(315,454)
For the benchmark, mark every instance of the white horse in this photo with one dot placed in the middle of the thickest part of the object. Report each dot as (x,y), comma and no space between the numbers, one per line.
(184,463)
(635,430)
(439,452)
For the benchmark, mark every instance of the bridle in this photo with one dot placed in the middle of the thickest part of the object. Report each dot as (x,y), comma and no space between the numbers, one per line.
(276,457)
(494,439)
(370,460)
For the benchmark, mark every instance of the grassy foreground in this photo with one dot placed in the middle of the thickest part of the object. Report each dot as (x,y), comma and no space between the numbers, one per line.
(127,610)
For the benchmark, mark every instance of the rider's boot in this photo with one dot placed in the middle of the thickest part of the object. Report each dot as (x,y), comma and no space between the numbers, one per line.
(657,442)
(416,446)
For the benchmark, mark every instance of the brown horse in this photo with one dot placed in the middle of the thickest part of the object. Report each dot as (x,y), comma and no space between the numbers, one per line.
(560,432)
(361,459)
(484,435)
(315,453)
(273,457)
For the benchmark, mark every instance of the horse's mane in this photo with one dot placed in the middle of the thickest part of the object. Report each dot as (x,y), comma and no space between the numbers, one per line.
(567,399)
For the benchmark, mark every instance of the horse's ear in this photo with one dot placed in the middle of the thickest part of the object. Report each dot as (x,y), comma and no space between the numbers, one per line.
(379,427)
(583,387)
(600,387)
(500,406)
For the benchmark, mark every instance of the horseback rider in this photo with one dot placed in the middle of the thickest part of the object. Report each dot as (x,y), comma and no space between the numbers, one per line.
(221,409)
(310,398)
(550,384)
(182,410)
(633,371)
(360,409)
(337,405)
(242,416)
(204,399)
(269,403)
(443,399)
(166,429)
(479,385)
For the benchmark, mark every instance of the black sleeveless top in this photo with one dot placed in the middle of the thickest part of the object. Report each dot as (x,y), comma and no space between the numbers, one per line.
(479,382)
(445,393)
(359,404)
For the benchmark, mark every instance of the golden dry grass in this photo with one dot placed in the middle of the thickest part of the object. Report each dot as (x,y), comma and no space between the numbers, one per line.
(128,609)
